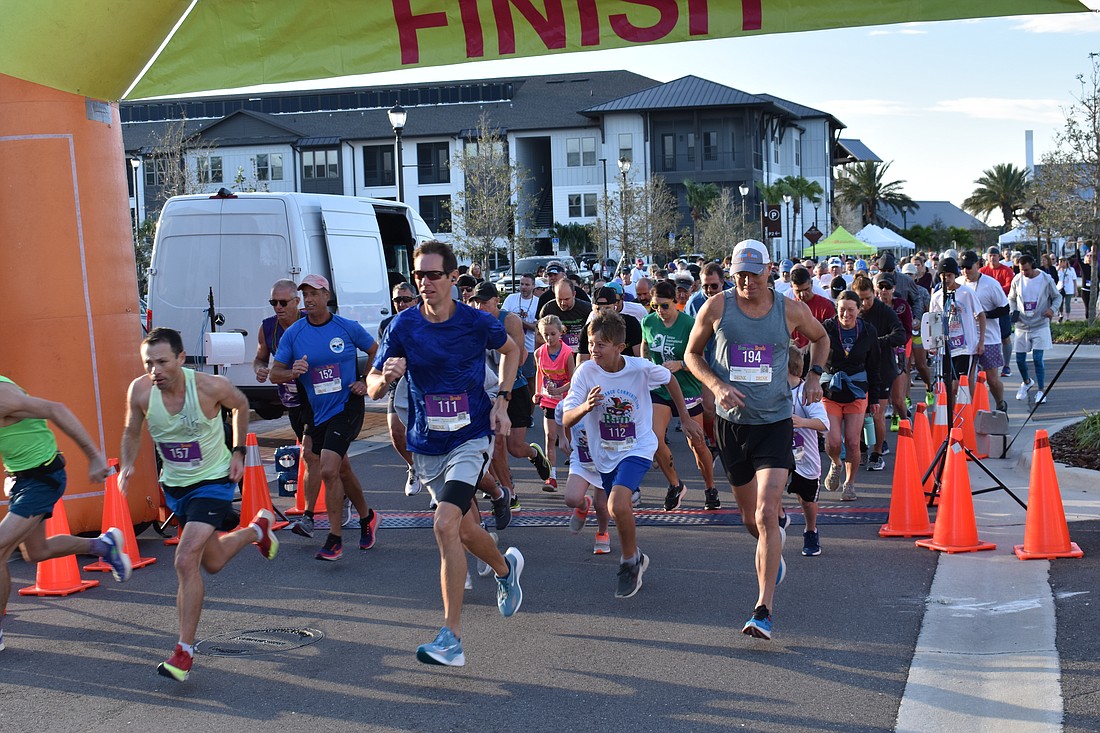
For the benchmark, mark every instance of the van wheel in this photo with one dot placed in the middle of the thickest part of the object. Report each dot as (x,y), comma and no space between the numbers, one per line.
(269,411)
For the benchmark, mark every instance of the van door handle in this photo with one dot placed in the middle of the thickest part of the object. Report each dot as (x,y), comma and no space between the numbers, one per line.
(384,312)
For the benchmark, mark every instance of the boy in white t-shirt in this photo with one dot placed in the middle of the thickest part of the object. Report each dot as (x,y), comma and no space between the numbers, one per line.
(808,421)
(610,393)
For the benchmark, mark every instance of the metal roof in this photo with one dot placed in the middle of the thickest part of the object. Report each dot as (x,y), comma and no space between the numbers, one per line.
(932,213)
(683,93)
(857,151)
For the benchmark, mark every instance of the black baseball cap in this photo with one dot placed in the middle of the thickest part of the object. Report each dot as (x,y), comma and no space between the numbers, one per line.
(948,264)
(466,281)
(969,259)
(605,296)
(485,291)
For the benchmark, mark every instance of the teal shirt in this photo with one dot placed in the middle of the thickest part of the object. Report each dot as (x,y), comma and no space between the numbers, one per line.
(670,344)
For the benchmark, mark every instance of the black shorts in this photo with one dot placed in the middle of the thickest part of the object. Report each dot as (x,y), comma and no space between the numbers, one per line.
(548,413)
(337,433)
(207,510)
(520,408)
(696,409)
(300,419)
(745,449)
(804,488)
(960,366)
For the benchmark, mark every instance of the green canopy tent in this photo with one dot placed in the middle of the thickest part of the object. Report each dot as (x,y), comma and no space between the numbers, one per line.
(842,242)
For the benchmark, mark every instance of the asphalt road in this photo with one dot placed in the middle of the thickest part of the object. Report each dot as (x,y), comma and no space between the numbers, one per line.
(671,658)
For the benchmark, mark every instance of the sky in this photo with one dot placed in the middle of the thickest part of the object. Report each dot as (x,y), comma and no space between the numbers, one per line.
(941,101)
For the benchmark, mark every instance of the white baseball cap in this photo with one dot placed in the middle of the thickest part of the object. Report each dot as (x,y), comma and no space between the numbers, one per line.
(750,256)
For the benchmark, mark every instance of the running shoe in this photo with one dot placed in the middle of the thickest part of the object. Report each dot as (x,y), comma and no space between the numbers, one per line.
(875,463)
(484,569)
(446,650)
(759,624)
(177,666)
(1006,372)
(782,574)
(2,633)
(116,555)
(347,516)
(539,461)
(268,542)
(811,544)
(369,531)
(514,503)
(832,480)
(333,549)
(412,483)
(509,592)
(930,398)
(580,515)
(303,527)
(848,494)
(636,499)
(1002,406)
(502,511)
(784,522)
(1040,396)
(895,423)
(432,504)
(1021,393)
(469,584)
(885,449)
(674,497)
(551,485)
(603,544)
(630,577)
(711,501)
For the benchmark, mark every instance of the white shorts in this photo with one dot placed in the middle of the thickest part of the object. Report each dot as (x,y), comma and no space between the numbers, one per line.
(588,474)
(466,464)
(1028,339)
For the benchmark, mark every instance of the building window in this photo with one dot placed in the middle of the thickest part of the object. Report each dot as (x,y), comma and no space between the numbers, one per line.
(436,213)
(668,151)
(582,205)
(156,171)
(378,165)
(210,169)
(432,164)
(691,147)
(775,151)
(580,151)
(320,164)
(798,150)
(269,166)
(626,146)
(757,153)
(710,145)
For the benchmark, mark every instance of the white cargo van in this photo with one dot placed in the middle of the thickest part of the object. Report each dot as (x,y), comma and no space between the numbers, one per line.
(236,246)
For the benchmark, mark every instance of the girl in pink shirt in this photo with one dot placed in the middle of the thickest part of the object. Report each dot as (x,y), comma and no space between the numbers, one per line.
(553,372)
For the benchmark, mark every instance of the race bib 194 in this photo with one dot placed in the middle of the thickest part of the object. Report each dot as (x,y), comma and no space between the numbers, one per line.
(750,363)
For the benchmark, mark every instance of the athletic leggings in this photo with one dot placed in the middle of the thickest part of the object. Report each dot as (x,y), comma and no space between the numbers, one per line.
(1040,368)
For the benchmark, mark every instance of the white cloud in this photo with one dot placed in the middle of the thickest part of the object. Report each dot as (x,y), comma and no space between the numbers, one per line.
(1046,111)
(1075,23)
(851,107)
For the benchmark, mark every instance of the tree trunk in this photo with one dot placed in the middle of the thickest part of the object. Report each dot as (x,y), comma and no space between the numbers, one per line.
(1094,275)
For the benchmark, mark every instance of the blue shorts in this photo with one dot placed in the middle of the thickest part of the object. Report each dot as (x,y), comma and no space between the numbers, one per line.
(32,496)
(207,503)
(629,473)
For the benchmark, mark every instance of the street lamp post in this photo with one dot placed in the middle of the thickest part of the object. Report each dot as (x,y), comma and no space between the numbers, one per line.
(790,244)
(624,168)
(135,163)
(606,227)
(743,189)
(816,205)
(398,115)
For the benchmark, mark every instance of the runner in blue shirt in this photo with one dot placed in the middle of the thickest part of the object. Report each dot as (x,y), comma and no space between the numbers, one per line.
(319,351)
(440,348)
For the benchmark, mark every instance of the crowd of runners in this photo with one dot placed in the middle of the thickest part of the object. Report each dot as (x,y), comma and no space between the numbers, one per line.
(762,366)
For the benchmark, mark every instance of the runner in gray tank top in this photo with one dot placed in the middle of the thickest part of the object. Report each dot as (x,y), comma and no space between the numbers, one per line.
(747,373)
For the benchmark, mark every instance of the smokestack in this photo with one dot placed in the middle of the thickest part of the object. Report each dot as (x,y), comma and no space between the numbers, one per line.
(1029,152)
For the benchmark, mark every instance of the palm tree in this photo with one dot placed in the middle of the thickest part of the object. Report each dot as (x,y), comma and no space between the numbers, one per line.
(700,197)
(1004,188)
(799,188)
(862,187)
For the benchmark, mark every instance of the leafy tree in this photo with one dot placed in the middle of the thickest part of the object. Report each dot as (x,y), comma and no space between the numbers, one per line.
(483,212)
(173,149)
(700,197)
(863,186)
(575,236)
(639,220)
(143,253)
(800,189)
(1003,188)
(724,226)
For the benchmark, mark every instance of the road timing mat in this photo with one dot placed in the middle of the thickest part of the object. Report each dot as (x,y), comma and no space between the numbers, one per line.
(826,514)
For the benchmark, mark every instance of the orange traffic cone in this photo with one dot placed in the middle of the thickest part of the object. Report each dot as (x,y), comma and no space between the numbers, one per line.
(908,514)
(981,394)
(956,530)
(1046,534)
(939,418)
(922,443)
(964,415)
(58,576)
(116,513)
(300,494)
(254,493)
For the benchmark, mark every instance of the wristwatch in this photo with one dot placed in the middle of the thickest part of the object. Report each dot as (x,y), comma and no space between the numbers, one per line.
(817,370)
(506,394)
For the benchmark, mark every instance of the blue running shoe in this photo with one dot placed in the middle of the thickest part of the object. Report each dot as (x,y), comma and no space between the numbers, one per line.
(446,650)
(759,624)
(782,571)
(116,555)
(784,521)
(509,593)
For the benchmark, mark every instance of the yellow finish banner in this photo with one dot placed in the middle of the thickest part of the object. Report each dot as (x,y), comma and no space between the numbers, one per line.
(99,47)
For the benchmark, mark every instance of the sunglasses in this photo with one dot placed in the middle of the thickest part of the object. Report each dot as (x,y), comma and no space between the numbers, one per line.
(466,289)
(661,306)
(281,303)
(429,274)
(403,299)
(708,287)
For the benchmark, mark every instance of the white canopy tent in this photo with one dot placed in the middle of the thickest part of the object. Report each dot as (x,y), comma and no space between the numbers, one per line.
(1023,234)
(883,239)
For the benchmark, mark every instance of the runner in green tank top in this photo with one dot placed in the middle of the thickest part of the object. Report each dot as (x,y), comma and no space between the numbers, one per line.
(665,335)
(751,326)
(183,409)
(36,482)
